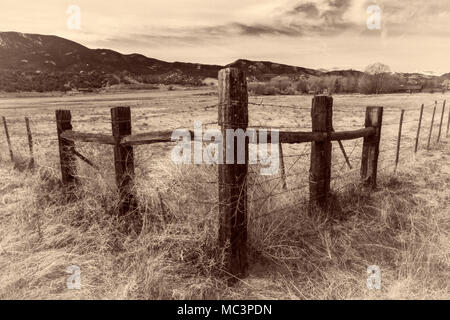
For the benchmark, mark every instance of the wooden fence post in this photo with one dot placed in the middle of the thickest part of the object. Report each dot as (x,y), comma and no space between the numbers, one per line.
(431,127)
(448,123)
(30,143)
(371,146)
(8,140)
(282,167)
(66,148)
(123,158)
(418,129)
(233,114)
(442,120)
(320,167)
(399,139)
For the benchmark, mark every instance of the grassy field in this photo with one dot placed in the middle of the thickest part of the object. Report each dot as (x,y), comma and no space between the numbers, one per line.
(403,227)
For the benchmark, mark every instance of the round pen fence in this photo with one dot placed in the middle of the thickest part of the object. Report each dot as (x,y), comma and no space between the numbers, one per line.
(363,149)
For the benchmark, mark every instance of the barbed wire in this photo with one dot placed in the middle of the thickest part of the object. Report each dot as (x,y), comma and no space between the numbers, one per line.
(260,104)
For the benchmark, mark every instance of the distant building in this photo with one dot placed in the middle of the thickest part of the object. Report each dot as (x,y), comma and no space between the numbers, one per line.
(411,88)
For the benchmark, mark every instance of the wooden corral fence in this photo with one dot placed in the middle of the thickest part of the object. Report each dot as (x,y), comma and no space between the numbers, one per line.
(233,113)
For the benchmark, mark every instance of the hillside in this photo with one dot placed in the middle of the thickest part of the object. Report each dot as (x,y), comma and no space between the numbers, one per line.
(33,62)
(32,52)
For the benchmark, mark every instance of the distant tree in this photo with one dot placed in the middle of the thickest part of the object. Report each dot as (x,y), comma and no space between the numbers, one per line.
(374,76)
(337,87)
(302,86)
(281,83)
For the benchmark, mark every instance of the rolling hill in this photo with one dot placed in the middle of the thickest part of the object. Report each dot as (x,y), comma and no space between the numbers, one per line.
(33,62)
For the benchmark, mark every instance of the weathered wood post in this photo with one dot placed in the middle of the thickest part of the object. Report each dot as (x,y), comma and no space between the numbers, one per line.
(418,130)
(448,123)
(282,167)
(30,143)
(431,127)
(66,148)
(442,120)
(371,146)
(7,139)
(320,167)
(123,158)
(233,115)
(399,139)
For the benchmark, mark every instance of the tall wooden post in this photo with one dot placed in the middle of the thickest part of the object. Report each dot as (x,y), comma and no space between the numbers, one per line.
(442,120)
(371,146)
(11,155)
(233,114)
(123,158)
(418,130)
(66,148)
(30,143)
(399,139)
(431,127)
(320,167)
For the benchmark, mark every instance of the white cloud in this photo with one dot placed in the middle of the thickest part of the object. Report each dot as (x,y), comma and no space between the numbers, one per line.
(312,33)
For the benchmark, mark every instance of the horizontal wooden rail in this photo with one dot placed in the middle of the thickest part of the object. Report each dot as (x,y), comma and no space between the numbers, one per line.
(149,138)
(353,134)
(166,136)
(87,137)
(299,137)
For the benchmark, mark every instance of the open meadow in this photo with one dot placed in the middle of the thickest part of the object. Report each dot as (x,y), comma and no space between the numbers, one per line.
(403,226)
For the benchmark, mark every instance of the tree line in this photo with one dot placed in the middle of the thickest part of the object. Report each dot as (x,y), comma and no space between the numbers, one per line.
(376,79)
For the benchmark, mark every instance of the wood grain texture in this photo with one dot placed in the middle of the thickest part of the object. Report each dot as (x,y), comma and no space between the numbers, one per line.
(320,164)
(233,114)
(66,147)
(123,158)
(371,146)
(76,136)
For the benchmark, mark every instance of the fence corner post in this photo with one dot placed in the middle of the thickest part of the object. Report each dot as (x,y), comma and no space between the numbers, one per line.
(371,146)
(123,158)
(66,148)
(233,114)
(320,166)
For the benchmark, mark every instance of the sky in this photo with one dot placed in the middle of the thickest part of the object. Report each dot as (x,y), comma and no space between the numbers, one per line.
(407,35)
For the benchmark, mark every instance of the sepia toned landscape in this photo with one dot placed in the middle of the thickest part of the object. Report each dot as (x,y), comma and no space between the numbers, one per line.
(402,226)
(191,150)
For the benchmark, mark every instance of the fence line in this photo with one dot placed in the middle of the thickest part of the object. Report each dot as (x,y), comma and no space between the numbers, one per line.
(234,179)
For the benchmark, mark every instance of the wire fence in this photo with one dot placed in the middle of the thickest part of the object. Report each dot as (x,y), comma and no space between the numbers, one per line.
(293,181)
(307,175)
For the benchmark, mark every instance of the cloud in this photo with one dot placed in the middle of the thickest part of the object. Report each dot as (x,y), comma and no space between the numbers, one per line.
(308,8)
(300,19)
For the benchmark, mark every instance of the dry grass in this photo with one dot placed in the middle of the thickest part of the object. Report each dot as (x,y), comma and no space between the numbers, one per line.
(403,227)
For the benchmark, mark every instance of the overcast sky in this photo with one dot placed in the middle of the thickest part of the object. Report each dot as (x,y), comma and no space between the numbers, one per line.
(414,34)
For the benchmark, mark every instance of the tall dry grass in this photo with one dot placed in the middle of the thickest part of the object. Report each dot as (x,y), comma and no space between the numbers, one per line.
(403,227)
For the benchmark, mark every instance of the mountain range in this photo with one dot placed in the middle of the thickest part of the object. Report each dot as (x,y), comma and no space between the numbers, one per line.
(47,62)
